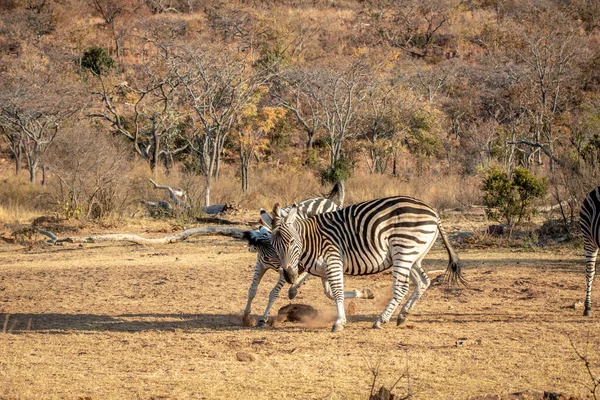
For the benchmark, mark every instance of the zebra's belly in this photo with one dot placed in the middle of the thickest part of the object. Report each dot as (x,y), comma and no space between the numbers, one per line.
(355,265)
(367,266)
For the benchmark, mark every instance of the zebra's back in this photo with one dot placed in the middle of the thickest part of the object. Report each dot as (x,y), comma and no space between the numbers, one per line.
(589,218)
(363,232)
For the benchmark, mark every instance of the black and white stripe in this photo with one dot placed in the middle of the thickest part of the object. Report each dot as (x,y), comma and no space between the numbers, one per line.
(260,241)
(589,222)
(364,238)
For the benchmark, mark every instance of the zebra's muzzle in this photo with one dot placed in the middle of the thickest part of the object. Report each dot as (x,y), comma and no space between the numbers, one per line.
(290,277)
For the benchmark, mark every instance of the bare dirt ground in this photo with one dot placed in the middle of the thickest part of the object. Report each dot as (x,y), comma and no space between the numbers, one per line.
(108,321)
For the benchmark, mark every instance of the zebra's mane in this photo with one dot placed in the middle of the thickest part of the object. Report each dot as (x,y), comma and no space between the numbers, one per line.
(260,237)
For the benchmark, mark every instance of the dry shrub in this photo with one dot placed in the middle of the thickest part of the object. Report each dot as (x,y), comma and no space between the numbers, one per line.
(269,185)
(20,200)
(90,175)
(440,191)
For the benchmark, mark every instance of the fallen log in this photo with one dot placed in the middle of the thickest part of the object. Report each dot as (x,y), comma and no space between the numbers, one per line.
(132,238)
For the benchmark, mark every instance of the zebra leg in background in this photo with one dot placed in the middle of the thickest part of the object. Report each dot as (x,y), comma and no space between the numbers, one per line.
(259,272)
(335,279)
(293,290)
(350,294)
(401,274)
(272,298)
(591,251)
(422,282)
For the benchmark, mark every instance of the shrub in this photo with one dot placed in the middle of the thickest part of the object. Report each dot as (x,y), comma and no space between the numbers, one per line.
(510,198)
(341,171)
(97,60)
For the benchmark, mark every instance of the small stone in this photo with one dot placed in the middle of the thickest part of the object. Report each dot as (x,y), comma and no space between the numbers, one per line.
(350,308)
(245,357)
(577,305)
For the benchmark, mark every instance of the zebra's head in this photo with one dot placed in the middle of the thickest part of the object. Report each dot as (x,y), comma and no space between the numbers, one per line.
(260,241)
(286,241)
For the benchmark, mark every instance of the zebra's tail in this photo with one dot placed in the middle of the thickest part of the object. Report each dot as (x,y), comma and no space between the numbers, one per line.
(337,191)
(453,275)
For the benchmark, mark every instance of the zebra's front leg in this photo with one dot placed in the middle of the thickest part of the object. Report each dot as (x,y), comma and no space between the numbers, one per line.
(335,279)
(259,272)
(272,298)
(400,273)
(293,290)
(591,252)
(421,282)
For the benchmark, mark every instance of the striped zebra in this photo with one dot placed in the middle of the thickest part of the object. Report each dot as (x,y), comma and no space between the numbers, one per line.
(361,239)
(589,222)
(260,241)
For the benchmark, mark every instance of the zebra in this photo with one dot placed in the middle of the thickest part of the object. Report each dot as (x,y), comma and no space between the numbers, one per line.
(361,239)
(260,241)
(589,222)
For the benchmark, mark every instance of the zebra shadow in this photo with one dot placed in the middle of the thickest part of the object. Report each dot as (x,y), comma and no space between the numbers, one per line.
(55,323)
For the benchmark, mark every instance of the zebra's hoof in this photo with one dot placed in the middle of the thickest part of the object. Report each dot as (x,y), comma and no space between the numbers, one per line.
(401,319)
(368,293)
(260,324)
(337,328)
(292,293)
(378,325)
(587,312)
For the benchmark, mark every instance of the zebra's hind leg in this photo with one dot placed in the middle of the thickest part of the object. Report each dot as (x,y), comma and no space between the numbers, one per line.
(400,273)
(335,281)
(591,251)
(349,294)
(421,282)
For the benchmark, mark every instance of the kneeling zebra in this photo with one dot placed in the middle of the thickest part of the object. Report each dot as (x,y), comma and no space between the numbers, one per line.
(364,238)
(260,241)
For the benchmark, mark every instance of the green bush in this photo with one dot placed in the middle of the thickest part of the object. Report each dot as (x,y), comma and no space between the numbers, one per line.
(510,199)
(341,171)
(97,60)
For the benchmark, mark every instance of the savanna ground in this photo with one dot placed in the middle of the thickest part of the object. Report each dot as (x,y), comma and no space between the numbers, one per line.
(116,320)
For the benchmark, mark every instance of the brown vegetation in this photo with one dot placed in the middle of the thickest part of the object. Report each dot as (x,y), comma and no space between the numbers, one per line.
(113,321)
(218,97)
(256,102)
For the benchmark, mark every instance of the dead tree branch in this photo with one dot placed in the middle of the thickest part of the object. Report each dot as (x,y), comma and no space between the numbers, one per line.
(132,238)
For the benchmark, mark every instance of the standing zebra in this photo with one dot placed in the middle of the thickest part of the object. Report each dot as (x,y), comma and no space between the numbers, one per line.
(589,222)
(260,241)
(364,238)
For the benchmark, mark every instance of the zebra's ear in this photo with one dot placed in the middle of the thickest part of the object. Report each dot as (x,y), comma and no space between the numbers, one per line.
(266,218)
(292,214)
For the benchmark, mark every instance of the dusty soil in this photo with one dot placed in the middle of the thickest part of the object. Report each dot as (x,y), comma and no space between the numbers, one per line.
(125,321)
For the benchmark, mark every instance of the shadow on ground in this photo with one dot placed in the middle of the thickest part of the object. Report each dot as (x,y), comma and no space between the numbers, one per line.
(65,323)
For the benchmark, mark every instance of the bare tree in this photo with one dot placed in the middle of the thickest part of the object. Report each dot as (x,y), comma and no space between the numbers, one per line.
(147,114)
(218,85)
(32,121)
(383,122)
(331,97)
(116,15)
(549,56)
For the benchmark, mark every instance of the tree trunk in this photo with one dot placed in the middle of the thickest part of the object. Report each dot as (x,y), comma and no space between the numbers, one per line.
(342,194)
(310,141)
(17,155)
(244,161)
(245,178)
(207,190)
(33,167)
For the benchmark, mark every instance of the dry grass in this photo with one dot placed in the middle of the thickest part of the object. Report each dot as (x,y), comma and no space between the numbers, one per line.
(123,321)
